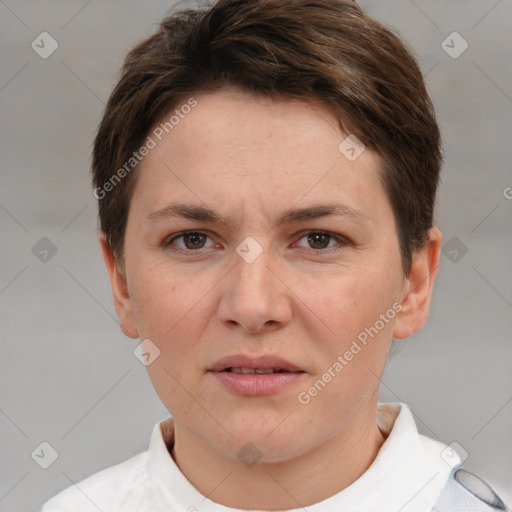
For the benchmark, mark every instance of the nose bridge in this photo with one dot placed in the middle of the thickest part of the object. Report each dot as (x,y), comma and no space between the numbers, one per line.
(252,268)
(253,296)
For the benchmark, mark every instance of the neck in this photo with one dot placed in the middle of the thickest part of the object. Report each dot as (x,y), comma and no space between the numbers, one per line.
(300,482)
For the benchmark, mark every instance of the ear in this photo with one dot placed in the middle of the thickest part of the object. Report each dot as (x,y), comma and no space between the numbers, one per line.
(122,299)
(418,287)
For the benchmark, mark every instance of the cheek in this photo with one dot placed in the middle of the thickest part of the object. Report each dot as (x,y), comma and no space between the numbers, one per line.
(170,307)
(346,304)
(167,300)
(353,318)
(354,352)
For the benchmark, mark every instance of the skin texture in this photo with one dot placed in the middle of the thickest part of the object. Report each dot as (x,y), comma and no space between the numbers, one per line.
(250,158)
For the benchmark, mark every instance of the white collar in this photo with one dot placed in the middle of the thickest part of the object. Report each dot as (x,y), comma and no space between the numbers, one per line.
(407,475)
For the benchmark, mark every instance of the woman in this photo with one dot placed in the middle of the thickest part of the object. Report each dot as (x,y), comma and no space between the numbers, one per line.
(266,175)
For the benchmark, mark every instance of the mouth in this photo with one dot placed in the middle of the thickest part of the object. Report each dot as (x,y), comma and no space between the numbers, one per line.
(260,371)
(266,375)
(262,365)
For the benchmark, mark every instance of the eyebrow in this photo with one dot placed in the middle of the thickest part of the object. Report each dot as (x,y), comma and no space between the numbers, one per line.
(205,214)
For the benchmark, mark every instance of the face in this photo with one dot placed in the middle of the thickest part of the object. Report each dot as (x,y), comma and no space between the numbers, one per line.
(251,235)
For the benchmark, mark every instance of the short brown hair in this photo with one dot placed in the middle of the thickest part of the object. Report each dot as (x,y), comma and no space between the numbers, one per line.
(329,50)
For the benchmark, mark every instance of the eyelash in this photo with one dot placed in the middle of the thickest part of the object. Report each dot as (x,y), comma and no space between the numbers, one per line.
(341,241)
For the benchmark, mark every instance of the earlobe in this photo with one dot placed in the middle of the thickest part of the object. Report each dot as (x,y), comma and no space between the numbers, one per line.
(419,287)
(120,292)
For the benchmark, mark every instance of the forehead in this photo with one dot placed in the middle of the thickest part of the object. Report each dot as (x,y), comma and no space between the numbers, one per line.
(236,148)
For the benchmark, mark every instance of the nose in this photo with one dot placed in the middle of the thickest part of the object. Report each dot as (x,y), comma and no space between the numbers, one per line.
(255,297)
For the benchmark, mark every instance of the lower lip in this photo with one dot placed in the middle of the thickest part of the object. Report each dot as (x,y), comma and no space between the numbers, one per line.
(254,384)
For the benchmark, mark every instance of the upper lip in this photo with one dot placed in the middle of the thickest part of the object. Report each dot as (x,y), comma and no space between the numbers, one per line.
(262,362)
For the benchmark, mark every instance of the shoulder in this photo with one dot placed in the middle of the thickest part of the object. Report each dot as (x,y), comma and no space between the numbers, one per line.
(108,489)
(466,492)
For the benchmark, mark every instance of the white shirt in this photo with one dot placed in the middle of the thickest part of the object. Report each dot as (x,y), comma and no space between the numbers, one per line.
(408,474)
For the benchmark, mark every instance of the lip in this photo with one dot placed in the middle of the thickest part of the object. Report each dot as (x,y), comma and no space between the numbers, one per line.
(262,362)
(254,384)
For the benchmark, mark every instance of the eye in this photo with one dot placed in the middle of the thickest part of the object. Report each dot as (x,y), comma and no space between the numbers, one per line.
(195,241)
(320,240)
(192,240)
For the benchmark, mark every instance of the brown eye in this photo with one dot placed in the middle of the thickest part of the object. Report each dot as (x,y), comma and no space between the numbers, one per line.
(319,240)
(194,240)
(191,241)
(323,242)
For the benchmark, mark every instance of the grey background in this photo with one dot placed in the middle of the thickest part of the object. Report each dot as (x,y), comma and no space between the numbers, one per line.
(68,375)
